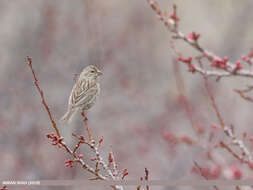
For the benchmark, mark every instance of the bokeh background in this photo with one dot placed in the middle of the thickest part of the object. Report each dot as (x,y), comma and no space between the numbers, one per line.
(140,105)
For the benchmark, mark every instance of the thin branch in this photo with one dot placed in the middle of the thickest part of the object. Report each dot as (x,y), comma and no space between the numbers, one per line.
(85,121)
(214,105)
(36,82)
(242,93)
(226,146)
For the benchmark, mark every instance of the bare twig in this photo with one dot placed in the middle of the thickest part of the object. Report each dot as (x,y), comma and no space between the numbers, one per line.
(242,93)
(226,146)
(36,82)
(85,120)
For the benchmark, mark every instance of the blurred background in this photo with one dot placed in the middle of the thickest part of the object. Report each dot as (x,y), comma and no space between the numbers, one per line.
(145,100)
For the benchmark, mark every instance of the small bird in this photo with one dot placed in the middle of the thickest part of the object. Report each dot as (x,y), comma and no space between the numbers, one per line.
(84,93)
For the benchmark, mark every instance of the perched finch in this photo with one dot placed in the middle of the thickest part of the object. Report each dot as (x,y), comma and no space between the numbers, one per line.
(84,93)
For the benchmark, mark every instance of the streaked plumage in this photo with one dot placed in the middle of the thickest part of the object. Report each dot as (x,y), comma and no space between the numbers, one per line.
(84,93)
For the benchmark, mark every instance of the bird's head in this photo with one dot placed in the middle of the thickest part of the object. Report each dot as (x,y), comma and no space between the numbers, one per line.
(91,72)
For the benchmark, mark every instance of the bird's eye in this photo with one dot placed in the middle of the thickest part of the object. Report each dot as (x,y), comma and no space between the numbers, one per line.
(92,71)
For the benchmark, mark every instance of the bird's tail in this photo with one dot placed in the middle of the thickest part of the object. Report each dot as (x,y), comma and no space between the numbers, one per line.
(68,116)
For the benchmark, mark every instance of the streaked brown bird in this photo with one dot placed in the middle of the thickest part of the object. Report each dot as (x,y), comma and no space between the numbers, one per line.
(84,93)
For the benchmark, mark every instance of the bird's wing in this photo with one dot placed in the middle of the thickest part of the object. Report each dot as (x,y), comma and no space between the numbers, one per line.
(77,89)
(82,93)
(86,97)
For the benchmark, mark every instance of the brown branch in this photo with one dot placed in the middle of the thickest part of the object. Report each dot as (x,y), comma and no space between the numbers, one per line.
(225,146)
(214,105)
(85,121)
(243,92)
(36,82)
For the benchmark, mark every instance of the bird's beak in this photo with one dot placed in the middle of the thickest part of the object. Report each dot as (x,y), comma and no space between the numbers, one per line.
(99,73)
